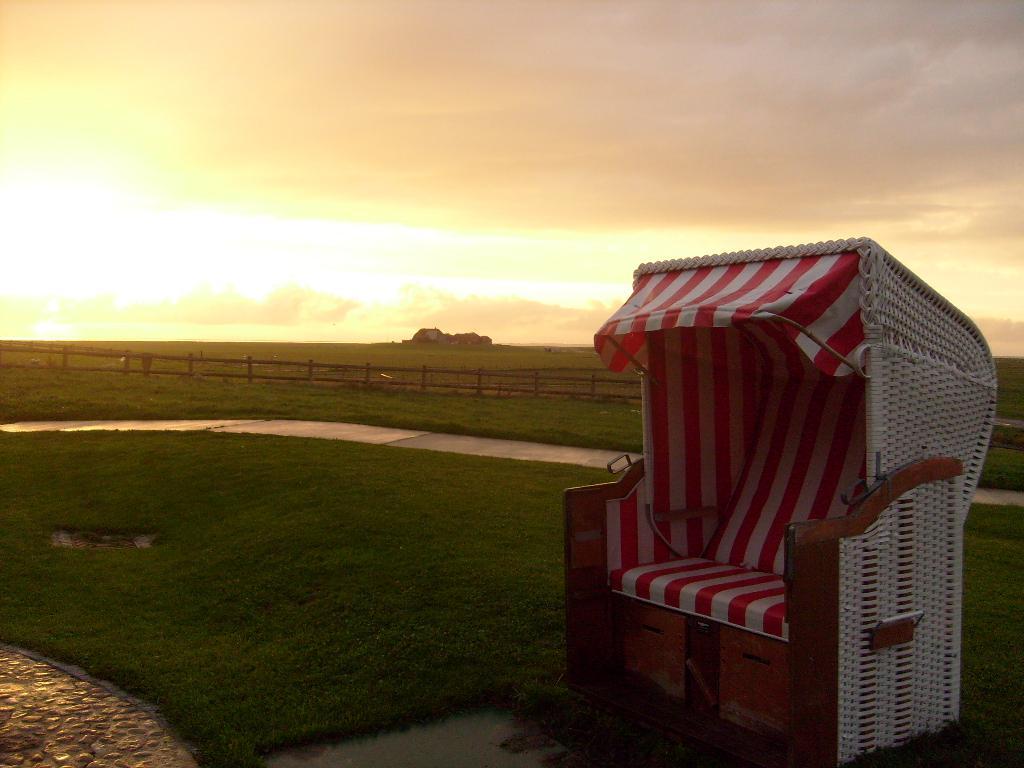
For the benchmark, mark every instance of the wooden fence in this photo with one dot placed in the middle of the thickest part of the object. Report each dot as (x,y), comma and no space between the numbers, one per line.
(536,382)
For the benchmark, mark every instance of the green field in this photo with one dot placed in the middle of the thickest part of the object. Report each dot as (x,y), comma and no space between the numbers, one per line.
(332,589)
(502,370)
(495,357)
(27,395)
(566,360)
(44,394)
(1004,468)
(1011,387)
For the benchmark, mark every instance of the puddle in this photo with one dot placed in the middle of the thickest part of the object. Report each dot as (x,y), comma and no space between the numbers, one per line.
(487,739)
(93,540)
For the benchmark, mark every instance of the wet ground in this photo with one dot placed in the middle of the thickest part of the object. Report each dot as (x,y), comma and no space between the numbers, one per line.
(485,739)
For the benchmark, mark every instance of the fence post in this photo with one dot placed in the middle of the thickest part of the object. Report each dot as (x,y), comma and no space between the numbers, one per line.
(191,364)
(593,384)
(64,357)
(479,381)
(127,361)
(536,383)
(367,379)
(423,378)
(248,367)
(309,371)
(147,363)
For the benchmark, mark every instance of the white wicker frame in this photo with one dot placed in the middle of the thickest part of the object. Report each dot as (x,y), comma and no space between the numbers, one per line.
(931,392)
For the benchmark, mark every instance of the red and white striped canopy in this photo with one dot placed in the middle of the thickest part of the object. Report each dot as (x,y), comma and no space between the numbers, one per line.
(819,292)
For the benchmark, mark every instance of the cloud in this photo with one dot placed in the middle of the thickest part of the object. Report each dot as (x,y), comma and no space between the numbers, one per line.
(658,129)
(569,115)
(295,313)
(1005,336)
(288,305)
(286,309)
(505,319)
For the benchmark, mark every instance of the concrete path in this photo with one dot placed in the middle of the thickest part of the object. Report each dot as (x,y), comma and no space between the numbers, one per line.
(398,438)
(997,496)
(52,715)
(1015,423)
(358,433)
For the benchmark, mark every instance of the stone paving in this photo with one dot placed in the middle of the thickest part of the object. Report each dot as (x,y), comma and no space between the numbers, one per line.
(52,718)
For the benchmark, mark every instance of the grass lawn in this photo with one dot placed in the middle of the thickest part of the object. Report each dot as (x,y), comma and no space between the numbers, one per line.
(27,395)
(1011,387)
(49,394)
(334,589)
(495,357)
(1008,437)
(1004,468)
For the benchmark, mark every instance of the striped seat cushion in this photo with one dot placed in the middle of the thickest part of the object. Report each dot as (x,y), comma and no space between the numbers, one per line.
(744,598)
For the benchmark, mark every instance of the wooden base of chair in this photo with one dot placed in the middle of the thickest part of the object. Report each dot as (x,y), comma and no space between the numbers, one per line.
(681,675)
(622,695)
(696,680)
(763,701)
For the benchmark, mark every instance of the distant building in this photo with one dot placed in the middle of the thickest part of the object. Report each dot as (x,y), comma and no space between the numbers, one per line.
(430,335)
(437,336)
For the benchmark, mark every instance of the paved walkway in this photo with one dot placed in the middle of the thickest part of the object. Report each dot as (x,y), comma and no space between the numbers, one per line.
(997,496)
(399,438)
(58,716)
(358,433)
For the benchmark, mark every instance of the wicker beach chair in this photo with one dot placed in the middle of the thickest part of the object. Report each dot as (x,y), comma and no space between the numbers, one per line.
(780,577)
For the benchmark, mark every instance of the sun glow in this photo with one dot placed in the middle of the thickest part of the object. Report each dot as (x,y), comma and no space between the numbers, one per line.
(78,238)
(61,236)
(355,170)
(91,258)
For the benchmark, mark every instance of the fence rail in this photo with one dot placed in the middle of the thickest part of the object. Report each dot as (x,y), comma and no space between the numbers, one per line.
(536,382)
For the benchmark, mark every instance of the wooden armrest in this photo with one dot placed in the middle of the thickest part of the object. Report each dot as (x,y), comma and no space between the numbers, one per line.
(602,492)
(866,510)
(589,631)
(585,517)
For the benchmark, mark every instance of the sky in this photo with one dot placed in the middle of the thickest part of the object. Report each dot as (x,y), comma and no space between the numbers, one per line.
(352,171)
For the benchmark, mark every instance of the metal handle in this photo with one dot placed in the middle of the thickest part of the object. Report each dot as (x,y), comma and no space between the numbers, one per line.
(855,365)
(611,464)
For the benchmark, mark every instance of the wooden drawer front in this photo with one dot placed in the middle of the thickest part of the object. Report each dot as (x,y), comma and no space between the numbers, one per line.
(754,682)
(702,663)
(654,645)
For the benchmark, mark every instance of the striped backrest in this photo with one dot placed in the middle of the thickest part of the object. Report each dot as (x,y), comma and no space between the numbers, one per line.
(701,404)
(700,409)
(744,422)
(809,447)
(743,412)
